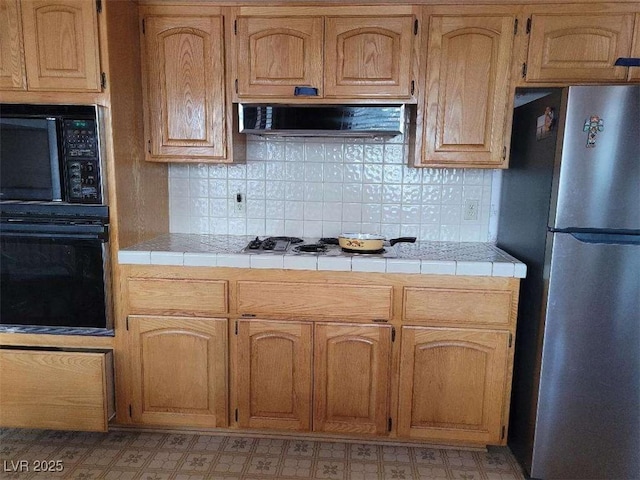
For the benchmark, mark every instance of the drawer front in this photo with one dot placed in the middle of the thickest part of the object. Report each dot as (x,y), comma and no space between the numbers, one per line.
(56,390)
(367,302)
(197,298)
(458,306)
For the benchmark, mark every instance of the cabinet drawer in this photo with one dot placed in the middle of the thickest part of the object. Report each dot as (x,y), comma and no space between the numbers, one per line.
(369,302)
(457,306)
(61,390)
(198,298)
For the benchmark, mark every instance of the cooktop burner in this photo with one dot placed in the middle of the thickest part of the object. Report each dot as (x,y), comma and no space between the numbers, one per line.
(311,248)
(271,244)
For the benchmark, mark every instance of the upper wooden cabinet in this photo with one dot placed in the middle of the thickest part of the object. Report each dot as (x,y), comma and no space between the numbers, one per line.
(467,91)
(54,42)
(12,73)
(277,54)
(368,56)
(580,47)
(185,110)
(340,57)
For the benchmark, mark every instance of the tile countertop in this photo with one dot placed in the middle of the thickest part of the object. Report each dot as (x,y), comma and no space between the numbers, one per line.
(435,258)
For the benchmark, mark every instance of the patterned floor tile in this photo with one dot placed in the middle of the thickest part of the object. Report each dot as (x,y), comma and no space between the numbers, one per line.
(331,450)
(300,448)
(296,467)
(263,466)
(198,462)
(230,463)
(330,469)
(166,460)
(362,452)
(129,455)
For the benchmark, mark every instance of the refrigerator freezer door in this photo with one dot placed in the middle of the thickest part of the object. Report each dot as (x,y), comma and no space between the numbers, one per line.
(588,415)
(599,182)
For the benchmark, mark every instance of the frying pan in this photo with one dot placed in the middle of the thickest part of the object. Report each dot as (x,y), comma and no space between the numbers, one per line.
(367,242)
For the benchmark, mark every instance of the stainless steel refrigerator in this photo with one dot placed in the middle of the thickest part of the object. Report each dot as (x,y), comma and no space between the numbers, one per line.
(570,209)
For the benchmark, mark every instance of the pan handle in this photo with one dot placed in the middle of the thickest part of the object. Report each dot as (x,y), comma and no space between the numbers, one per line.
(393,241)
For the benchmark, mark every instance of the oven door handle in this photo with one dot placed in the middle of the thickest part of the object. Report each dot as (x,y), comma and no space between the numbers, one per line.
(75,231)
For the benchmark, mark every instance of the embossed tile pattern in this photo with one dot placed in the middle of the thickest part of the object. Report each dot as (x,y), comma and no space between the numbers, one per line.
(157,456)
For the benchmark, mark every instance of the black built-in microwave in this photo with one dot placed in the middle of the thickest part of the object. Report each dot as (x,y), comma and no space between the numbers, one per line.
(50,153)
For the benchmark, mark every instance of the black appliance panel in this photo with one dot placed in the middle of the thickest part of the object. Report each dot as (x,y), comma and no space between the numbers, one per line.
(53,274)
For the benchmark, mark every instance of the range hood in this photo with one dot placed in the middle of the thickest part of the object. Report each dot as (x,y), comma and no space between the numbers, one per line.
(322,120)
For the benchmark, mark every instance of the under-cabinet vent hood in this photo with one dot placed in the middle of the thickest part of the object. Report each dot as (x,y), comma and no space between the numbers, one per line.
(322,120)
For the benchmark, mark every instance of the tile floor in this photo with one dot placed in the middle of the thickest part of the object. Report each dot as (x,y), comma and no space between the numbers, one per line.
(129,455)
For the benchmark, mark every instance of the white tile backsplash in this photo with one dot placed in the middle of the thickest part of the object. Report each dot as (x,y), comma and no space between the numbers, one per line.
(321,187)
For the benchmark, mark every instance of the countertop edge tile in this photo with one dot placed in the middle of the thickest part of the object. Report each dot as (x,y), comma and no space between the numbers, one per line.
(370,265)
(520,270)
(267,261)
(193,259)
(403,265)
(167,258)
(134,257)
(479,269)
(502,269)
(300,262)
(438,267)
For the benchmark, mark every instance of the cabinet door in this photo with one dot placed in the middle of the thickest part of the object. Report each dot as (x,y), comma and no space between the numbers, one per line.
(274,375)
(368,56)
(185,101)
(277,54)
(61,45)
(179,371)
(634,72)
(467,91)
(452,384)
(566,48)
(351,378)
(11,49)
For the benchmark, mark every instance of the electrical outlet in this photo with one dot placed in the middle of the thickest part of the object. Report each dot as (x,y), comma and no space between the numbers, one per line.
(239,203)
(471,209)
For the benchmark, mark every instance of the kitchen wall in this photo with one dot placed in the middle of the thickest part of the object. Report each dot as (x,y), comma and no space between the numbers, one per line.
(321,187)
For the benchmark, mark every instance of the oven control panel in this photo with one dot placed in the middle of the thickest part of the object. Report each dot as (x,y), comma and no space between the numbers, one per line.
(81,161)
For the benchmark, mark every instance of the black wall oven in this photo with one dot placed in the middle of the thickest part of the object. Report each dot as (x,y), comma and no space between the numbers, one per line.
(54,224)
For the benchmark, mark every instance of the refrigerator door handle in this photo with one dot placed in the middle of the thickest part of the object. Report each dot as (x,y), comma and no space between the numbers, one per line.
(607,238)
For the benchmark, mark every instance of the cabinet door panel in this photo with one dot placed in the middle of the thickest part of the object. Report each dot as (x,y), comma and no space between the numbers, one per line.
(351,378)
(185,99)
(274,375)
(277,54)
(452,384)
(634,72)
(179,371)
(467,90)
(368,56)
(61,45)
(11,48)
(578,47)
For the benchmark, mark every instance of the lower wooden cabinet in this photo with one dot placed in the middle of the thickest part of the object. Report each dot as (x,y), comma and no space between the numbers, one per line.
(304,362)
(274,375)
(453,384)
(350,376)
(179,371)
(56,388)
